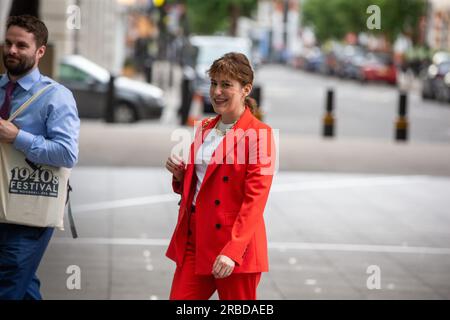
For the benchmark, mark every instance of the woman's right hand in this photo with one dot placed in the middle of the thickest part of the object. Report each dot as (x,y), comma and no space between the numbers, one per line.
(176,166)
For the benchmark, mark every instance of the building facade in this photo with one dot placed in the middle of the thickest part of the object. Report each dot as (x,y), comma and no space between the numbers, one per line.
(438,31)
(95,29)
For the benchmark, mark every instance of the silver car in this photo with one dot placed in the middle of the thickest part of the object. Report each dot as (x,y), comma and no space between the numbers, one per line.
(208,49)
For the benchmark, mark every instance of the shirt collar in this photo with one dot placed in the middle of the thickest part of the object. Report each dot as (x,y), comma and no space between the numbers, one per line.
(30,79)
(26,82)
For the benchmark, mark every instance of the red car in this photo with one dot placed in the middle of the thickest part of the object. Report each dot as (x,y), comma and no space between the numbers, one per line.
(378,67)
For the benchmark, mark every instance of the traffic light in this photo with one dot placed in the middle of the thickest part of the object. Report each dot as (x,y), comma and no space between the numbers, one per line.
(158,3)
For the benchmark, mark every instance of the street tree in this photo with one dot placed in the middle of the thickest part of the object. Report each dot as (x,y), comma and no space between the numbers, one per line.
(333,19)
(208,17)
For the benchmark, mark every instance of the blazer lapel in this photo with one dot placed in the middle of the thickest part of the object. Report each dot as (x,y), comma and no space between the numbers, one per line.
(243,124)
(200,135)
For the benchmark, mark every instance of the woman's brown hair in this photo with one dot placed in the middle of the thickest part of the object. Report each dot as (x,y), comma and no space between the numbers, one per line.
(236,66)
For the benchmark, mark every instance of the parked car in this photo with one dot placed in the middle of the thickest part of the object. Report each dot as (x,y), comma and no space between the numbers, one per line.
(351,65)
(332,52)
(378,67)
(135,100)
(433,79)
(349,61)
(442,86)
(208,49)
(311,59)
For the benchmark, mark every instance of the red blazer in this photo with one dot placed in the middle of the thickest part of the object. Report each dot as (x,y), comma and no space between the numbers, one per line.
(231,200)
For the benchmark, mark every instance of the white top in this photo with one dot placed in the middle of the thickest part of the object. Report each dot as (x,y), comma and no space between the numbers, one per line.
(205,152)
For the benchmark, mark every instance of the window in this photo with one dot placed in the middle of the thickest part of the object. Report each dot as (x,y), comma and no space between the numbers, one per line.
(69,73)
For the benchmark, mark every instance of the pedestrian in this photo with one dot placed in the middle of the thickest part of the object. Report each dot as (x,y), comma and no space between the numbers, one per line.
(219,242)
(46,132)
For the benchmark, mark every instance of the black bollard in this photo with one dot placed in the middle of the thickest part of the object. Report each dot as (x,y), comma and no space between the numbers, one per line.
(148,69)
(401,125)
(187,93)
(256,94)
(328,119)
(171,70)
(186,97)
(110,101)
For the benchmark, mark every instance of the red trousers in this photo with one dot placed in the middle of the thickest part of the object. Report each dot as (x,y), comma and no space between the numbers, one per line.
(187,285)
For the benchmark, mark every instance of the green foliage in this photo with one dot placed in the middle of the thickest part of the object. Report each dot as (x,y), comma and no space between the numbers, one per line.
(400,16)
(210,16)
(332,19)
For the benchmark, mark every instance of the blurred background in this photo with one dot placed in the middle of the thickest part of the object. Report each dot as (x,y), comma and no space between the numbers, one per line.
(358,91)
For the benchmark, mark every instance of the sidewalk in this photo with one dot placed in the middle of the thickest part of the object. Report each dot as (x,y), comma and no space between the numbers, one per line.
(149,144)
(324,232)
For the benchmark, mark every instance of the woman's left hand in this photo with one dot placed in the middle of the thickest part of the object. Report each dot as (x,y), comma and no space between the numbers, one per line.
(223,267)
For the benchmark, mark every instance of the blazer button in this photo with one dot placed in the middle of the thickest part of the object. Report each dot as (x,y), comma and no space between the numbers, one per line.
(218,226)
(216,202)
(225,179)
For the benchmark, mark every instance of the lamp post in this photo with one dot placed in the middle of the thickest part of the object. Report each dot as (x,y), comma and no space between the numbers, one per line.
(162,43)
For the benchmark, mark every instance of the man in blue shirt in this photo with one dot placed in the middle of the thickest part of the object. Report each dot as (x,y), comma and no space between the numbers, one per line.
(46,132)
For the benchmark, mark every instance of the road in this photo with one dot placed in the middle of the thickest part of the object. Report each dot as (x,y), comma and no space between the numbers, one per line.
(295,103)
(324,231)
(341,212)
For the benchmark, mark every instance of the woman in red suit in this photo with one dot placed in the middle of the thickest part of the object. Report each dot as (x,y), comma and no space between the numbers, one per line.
(219,242)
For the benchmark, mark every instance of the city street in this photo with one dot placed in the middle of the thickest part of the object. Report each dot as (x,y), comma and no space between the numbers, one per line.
(357,94)
(295,102)
(324,232)
(338,207)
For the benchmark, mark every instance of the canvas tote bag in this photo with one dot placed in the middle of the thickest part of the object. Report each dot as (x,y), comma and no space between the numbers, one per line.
(31,194)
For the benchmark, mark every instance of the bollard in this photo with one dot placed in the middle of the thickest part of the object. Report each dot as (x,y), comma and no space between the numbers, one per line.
(196,109)
(171,71)
(148,70)
(110,101)
(187,84)
(401,125)
(256,94)
(328,119)
(186,98)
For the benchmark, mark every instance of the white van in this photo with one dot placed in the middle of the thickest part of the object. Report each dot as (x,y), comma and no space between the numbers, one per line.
(208,49)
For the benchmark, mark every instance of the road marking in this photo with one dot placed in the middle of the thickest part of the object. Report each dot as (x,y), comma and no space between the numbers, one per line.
(310,282)
(286,187)
(357,248)
(346,183)
(147,253)
(311,246)
(125,203)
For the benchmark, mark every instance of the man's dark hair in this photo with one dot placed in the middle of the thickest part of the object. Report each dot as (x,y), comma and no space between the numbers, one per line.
(32,25)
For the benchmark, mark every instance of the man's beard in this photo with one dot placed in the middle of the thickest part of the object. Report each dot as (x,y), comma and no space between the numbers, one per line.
(24,65)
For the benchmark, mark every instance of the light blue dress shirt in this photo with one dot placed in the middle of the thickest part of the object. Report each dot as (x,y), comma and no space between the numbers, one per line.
(49,128)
